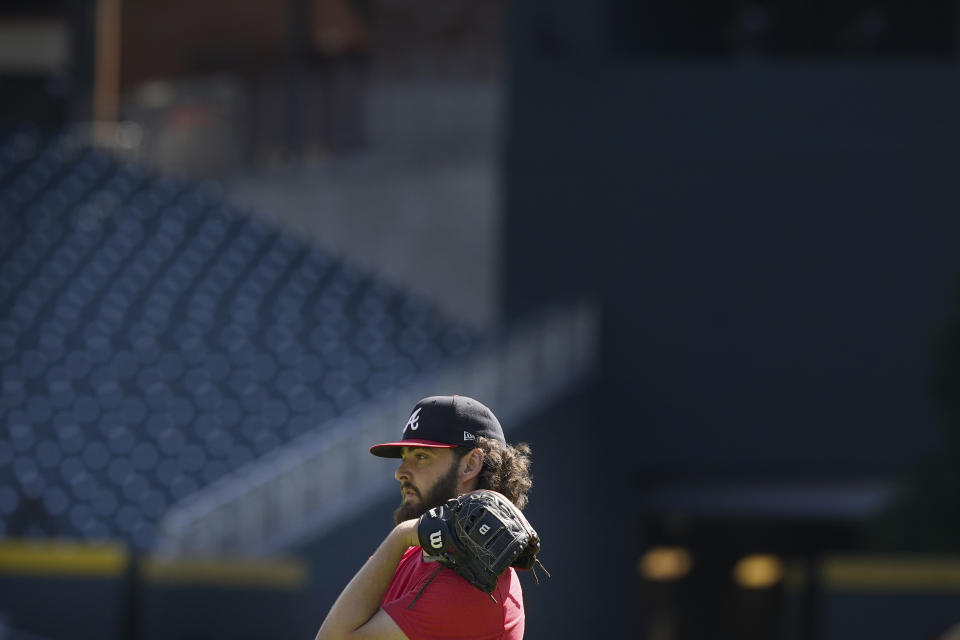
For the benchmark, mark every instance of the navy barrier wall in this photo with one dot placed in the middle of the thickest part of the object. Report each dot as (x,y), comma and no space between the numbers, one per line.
(877,596)
(775,245)
(196,599)
(61,589)
(65,590)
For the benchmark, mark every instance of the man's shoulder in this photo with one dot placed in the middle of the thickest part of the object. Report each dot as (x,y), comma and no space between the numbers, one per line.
(446,604)
(412,552)
(456,591)
(508,586)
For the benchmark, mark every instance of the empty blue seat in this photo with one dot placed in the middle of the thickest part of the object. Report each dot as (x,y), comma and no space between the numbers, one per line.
(154,337)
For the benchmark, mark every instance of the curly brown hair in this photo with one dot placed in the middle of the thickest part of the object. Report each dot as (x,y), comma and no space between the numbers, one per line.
(506,469)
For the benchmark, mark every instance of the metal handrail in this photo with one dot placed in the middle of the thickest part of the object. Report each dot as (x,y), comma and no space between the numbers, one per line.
(310,484)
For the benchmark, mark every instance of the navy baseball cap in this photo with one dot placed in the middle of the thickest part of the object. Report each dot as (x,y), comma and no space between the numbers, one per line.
(444,422)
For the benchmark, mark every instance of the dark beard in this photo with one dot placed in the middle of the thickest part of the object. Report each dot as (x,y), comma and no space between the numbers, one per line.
(445,489)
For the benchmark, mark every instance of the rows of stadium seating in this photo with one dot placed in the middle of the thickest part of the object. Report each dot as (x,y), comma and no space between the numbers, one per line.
(153,337)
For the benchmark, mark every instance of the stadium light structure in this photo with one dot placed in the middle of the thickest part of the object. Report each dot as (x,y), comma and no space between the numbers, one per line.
(758,571)
(665,564)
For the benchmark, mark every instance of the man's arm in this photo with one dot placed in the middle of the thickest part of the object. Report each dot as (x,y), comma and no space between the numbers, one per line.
(356,614)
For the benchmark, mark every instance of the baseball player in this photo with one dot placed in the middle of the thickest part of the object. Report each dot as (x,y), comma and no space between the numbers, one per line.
(424,581)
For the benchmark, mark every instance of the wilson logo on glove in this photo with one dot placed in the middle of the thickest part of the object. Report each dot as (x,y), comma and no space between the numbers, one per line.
(436,540)
(479,536)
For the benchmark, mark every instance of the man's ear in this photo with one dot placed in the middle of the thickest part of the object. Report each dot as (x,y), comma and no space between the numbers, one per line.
(471,465)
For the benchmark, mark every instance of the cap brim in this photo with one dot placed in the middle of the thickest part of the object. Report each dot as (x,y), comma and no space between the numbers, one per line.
(392,449)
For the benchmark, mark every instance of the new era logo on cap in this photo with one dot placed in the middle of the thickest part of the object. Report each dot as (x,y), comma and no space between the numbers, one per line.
(444,422)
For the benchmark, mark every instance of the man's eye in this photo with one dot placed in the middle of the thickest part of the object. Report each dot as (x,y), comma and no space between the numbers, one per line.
(421,456)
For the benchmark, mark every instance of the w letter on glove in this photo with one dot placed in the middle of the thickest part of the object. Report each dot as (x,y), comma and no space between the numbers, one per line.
(479,535)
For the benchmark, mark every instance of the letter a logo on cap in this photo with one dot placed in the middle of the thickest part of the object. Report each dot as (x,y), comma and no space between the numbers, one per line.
(414,422)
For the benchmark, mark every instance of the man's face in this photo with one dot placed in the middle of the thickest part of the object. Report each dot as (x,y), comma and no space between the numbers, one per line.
(428,478)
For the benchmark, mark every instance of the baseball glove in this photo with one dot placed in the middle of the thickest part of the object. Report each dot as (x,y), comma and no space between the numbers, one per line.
(479,535)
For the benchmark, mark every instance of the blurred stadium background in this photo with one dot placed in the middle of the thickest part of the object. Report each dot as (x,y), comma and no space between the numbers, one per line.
(703,256)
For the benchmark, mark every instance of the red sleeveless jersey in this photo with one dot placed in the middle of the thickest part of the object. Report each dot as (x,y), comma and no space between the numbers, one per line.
(450,607)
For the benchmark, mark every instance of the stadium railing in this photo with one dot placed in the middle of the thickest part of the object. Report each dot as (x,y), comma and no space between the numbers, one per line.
(306,487)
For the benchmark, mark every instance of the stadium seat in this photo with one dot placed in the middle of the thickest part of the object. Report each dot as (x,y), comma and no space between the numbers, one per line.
(154,338)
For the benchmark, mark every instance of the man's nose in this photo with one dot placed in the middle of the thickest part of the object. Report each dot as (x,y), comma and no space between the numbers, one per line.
(401,473)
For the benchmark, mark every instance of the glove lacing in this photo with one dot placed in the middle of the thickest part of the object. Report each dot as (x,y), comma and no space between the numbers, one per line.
(533,570)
